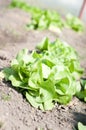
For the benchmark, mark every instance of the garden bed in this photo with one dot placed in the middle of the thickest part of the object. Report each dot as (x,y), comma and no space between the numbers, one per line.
(15,112)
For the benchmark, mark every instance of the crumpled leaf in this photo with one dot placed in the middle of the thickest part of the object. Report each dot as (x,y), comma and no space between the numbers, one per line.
(50,74)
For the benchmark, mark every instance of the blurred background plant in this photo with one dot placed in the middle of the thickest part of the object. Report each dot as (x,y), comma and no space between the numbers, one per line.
(46,19)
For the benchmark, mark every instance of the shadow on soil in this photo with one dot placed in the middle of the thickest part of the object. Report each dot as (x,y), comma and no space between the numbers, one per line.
(79,117)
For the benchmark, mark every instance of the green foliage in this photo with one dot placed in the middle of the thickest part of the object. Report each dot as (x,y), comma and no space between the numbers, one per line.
(46,19)
(74,23)
(81,126)
(41,19)
(46,77)
(82,94)
(20,4)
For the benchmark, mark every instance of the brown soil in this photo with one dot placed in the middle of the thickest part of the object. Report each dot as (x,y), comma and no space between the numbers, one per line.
(15,112)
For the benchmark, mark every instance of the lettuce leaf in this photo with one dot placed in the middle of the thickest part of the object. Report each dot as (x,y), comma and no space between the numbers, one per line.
(82,93)
(81,126)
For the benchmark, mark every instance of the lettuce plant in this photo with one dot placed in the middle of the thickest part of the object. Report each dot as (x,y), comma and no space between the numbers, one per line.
(46,19)
(74,23)
(49,74)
